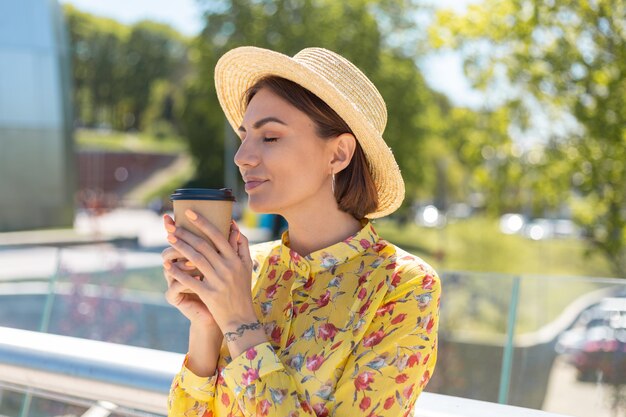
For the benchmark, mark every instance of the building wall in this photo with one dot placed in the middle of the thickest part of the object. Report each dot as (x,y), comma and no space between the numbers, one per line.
(37,162)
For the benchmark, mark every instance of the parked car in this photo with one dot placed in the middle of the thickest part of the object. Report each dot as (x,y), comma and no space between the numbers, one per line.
(596,344)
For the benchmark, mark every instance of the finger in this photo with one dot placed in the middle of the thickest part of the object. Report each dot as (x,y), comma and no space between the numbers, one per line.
(171,254)
(243,245)
(233,236)
(212,232)
(186,280)
(197,244)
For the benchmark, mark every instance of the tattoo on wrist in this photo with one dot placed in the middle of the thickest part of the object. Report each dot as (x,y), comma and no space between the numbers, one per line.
(231,336)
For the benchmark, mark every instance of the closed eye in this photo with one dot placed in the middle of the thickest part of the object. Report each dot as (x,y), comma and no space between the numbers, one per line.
(270,139)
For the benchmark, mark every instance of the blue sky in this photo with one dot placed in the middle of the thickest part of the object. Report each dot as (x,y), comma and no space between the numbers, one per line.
(442,71)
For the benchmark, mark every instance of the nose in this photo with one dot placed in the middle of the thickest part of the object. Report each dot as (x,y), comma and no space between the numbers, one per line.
(247,154)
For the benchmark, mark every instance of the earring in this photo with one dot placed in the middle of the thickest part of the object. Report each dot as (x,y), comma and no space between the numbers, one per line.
(333,183)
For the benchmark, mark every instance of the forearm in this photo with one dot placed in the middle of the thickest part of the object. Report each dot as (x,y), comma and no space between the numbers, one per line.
(204,349)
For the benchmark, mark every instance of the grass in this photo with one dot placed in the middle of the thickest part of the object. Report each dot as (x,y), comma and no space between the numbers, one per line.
(93,139)
(476,244)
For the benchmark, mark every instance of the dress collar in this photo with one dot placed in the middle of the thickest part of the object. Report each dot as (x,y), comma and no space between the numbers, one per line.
(327,259)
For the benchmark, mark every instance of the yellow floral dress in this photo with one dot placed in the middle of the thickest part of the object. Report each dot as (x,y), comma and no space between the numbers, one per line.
(352,331)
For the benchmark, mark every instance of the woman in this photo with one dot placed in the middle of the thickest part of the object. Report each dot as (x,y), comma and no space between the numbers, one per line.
(331,319)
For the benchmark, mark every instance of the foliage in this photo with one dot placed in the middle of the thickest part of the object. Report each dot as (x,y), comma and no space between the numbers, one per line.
(565,58)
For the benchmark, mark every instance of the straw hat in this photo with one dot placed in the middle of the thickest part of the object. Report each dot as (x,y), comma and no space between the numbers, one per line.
(337,82)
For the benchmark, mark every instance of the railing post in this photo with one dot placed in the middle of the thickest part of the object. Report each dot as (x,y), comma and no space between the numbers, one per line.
(507,357)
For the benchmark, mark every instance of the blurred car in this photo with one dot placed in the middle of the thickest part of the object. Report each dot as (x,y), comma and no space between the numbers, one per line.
(596,344)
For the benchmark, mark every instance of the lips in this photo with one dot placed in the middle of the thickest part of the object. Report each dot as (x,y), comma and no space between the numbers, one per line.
(250,185)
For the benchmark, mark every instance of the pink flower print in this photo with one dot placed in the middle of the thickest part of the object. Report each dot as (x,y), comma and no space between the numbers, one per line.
(287,275)
(276,333)
(363,380)
(305,406)
(414,359)
(303,307)
(387,308)
(309,283)
(399,318)
(365,244)
(427,282)
(320,410)
(364,307)
(363,278)
(273,260)
(395,279)
(425,378)
(392,265)
(407,391)
(402,378)
(389,403)
(365,403)
(272,274)
(314,362)
(251,354)
(362,293)
(324,299)
(263,407)
(270,291)
(426,359)
(295,256)
(430,325)
(327,331)
(336,345)
(249,377)
(373,338)
(290,341)
(380,245)
(225,399)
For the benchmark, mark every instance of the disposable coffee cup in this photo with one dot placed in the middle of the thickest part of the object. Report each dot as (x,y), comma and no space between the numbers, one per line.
(216,205)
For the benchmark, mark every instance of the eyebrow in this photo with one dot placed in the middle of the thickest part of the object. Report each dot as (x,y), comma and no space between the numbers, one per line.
(263,121)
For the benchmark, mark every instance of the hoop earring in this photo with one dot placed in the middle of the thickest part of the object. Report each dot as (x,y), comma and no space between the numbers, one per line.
(333,183)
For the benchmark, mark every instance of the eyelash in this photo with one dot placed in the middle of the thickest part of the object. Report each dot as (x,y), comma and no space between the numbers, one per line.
(270,139)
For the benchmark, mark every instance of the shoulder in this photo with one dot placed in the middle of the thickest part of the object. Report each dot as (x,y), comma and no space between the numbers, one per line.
(411,274)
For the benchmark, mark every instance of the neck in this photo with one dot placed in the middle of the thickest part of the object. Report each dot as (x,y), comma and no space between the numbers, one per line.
(318,229)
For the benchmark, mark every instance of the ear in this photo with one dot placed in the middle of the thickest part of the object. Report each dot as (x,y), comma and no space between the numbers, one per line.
(342,150)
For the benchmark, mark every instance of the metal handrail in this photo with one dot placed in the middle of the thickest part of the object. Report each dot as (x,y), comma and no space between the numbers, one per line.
(139,378)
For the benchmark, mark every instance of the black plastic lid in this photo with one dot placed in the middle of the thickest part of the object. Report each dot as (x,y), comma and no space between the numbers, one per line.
(223,194)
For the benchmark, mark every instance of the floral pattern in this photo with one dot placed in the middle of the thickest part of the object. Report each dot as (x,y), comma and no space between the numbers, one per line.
(352,331)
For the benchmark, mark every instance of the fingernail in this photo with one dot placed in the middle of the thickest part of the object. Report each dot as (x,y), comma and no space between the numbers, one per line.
(172,239)
(189,213)
(170,228)
(238,236)
(167,265)
(198,278)
(189,263)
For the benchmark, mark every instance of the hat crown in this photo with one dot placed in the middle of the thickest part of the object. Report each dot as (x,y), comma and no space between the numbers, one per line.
(349,80)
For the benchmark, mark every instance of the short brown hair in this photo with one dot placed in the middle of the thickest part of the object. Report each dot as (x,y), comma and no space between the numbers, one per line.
(355,191)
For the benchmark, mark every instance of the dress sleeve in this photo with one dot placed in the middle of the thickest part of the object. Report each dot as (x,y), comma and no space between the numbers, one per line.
(394,361)
(191,395)
(383,376)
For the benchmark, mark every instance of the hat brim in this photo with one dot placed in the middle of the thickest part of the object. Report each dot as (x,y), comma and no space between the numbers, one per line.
(240,68)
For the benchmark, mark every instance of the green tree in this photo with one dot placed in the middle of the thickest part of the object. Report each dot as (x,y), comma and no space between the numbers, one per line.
(351,28)
(566,58)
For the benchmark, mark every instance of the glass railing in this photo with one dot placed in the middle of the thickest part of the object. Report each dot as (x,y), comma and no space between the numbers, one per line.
(528,341)
(50,375)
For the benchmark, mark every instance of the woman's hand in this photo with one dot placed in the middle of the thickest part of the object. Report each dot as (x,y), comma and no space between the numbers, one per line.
(226,269)
(188,304)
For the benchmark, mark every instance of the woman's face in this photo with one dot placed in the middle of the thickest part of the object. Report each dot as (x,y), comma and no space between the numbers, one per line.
(285,165)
